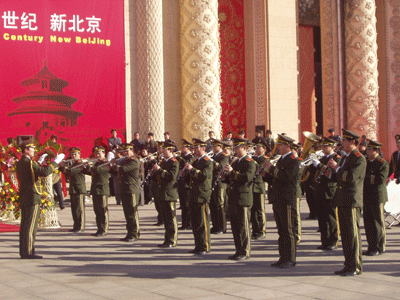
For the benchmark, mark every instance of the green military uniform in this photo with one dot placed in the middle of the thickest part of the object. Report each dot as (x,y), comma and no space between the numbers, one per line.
(168,197)
(258,217)
(282,196)
(296,206)
(324,191)
(348,199)
(30,196)
(218,195)
(240,202)
(183,190)
(200,193)
(100,190)
(128,171)
(375,196)
(77,192)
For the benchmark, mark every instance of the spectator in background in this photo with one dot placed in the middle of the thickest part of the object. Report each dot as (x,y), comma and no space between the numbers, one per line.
(151,144)
(138,144)
(114,140)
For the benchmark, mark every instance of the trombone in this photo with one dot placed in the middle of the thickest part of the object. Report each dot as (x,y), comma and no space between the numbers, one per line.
(89,161)
(146,158)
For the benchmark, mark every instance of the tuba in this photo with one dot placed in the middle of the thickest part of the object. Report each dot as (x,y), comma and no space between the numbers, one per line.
(311,138)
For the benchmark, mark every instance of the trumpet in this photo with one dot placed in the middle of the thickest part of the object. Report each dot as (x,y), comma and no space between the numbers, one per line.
(313,156)
(261,168)
(89,161)
(145,159)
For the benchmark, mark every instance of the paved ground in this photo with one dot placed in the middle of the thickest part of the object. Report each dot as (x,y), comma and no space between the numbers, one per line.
(84,267)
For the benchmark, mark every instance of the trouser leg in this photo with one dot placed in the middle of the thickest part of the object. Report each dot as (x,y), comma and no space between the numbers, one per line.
(29,222)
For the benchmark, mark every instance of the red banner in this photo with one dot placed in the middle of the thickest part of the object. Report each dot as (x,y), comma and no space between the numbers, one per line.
(62,70)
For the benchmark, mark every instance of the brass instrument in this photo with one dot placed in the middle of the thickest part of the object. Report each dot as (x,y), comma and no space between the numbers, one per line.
(222,173)
(89,161)
(146,158)
(311,138)
(313,156)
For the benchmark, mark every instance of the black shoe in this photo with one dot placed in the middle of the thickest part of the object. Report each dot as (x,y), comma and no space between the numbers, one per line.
(185,228)
(97,234)
(77,231)
(165,245)
(322,247)
(241,257)
(128,239)
(258,236)
(202,252)
(342,271)
(72,230)
(330,248)
(193,251)
(372,253)
(233,257)
(275,264)
(286,265)
(213,230)
(62,208)
(159,224)
(349,273)
(33,256)
(217,232)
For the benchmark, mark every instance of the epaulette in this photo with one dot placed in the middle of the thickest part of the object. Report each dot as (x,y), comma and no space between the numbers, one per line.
(266,156)
(293,157)
(338,156)
(207,158)
(173,159)
(249,159)
(358,154)
(381,160)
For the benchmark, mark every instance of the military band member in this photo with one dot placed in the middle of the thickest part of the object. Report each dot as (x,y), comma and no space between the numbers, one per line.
(375,196)
(99,189)
(30,195)
(240,174)
(258,217)
(154,183)
(183,184)
(282,196)
(77,188)
(325,188)
(217,210)
(199,195)
(348,199)
(166,174)
(296,206)
(394,166)
(128,172)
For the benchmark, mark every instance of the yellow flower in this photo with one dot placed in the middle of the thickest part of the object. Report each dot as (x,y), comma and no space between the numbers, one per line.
(11,207)
(45,193)
(12,199)
(11,191)
(6,183)
(42,200)
(42,211)
(49,204)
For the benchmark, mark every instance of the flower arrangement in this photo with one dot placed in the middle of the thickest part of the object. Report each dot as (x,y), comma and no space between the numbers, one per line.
(51,154)
(9,201)
(45,203)
(9,157)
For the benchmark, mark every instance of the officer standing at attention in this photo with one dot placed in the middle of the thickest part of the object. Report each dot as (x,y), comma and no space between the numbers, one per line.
(166,173)
(77,189)
(30,195)
(394,166)
(129,190)
(375,196)
(218,194)
(258,217)
(100,189)
(349,201)
(325,188)
(200,192)
(282,196)
(240,175)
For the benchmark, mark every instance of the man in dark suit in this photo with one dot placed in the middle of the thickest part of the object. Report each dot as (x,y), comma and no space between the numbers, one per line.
(200,193)
(166,173)
(183,184)
(151,144)
(218,194)
(113,140)
(394,166)
(240,174)
(128,172)
(137,143)
(77,188)
(375,197)
(282,196)
(325,188)
(30,195)
(99,189)
(348,199)
(258,217)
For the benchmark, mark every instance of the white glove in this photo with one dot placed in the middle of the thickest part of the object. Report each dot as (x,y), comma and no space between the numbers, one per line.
(41,159)
(59,158)
(315,162)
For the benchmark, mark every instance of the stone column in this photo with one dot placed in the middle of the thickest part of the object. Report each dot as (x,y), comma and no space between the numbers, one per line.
(201,103)
(150,68)
(361,67)
(332,51)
